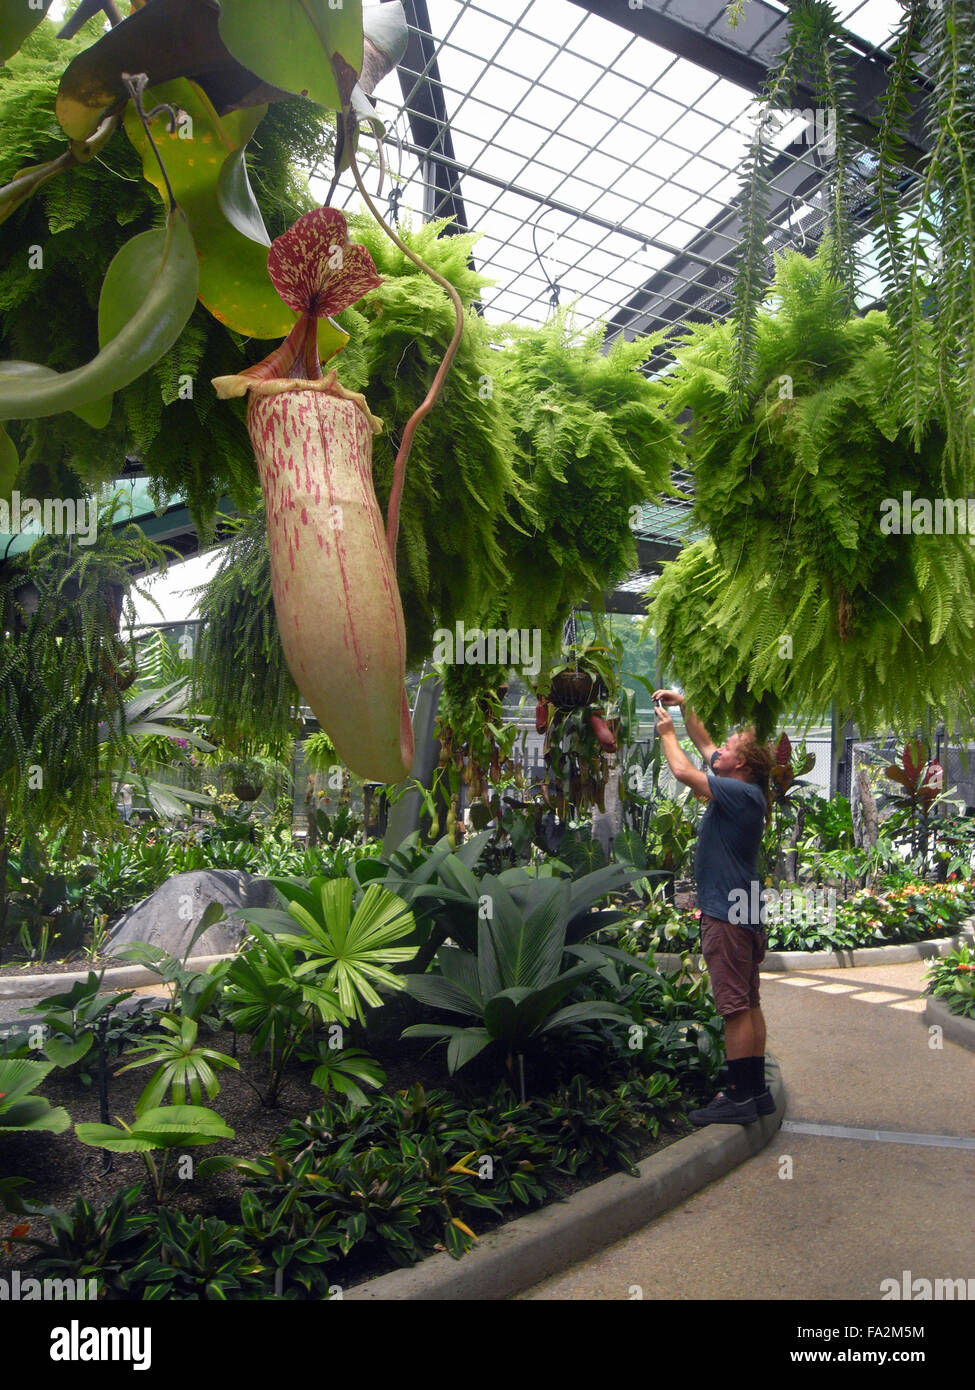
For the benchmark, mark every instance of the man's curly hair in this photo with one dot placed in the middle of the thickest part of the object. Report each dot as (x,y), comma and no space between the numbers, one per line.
(759,759)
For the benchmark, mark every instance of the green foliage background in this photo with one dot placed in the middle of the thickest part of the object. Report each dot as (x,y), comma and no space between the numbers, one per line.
(196,447)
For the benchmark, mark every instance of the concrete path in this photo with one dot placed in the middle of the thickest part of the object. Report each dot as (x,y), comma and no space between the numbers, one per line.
(815,1216)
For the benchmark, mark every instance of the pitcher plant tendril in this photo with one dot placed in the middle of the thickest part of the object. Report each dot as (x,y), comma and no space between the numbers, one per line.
(430,400)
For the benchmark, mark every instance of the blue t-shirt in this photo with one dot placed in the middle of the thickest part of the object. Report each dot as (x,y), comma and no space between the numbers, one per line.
(726,856)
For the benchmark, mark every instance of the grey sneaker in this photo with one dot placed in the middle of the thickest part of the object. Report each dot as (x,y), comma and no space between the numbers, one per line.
(725,1111)
(764,1103)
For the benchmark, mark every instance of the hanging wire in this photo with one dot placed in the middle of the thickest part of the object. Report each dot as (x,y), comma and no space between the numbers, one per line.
(554,286)
(396,186)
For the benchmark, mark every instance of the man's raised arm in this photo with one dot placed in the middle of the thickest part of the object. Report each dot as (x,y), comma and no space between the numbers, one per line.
(698,733)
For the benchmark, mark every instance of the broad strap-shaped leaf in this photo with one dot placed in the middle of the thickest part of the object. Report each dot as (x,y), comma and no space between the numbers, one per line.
(151,331)
(515,1014)
(442,993)
(585,1012)
(294,44)
(463,1044)
(583,892)
(527,937)
(17,21)
(272,919)
(460,967)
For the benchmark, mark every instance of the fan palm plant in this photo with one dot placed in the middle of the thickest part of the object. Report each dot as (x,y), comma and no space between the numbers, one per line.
(18,1108)
(346,951)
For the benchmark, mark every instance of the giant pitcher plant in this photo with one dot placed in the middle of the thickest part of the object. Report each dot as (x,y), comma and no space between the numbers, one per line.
(335,592)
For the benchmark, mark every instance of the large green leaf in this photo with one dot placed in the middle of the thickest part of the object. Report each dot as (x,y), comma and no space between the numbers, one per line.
(165,40)
(34,1112)
(95,413)
(442,993)
(18,1076)
(464,1043)
(515,1014)
(25,184)
(163,1127)
(148,334)
(584,1012)
(528,936)
(17,21)
(209,182)
(294,44)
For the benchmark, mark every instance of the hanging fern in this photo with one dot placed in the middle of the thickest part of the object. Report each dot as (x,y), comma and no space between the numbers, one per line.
(63,670)
(816,53)
(593,442)
(881,624)
(240,675)
(932,286)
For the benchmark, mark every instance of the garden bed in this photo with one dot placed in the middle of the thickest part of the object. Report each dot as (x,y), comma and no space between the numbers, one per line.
(64,1169)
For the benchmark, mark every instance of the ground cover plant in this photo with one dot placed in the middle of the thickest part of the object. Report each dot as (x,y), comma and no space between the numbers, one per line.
(804,920)
(952,980)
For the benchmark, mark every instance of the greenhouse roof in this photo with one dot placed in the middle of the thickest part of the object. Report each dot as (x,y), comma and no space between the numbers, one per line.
(597,147)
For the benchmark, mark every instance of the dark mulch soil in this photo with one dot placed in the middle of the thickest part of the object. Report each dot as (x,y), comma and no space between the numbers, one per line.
(16,965)
(62,1168)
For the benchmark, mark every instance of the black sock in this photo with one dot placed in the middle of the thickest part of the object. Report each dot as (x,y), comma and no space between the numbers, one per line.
(757,1077)
(739,1078)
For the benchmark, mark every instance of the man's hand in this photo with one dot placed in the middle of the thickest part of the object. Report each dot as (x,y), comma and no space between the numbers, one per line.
(668,697)
(665,725)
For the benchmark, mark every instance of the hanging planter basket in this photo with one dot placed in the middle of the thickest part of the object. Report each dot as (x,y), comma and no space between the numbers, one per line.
(247,791)
(575,689)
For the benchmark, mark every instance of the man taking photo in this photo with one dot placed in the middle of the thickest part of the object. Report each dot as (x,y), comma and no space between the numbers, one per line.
(725,867)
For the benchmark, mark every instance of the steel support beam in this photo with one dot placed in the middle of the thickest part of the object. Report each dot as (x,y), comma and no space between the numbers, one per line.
(423,98)
(698,30)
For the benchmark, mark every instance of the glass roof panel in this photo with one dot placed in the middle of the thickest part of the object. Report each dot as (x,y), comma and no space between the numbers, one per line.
(563,122)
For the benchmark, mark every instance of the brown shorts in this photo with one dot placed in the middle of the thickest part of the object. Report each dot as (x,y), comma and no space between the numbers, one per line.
(732,955)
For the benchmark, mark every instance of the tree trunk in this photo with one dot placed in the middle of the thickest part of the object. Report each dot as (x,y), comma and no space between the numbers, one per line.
(607,824)
(787,855)
(869,807)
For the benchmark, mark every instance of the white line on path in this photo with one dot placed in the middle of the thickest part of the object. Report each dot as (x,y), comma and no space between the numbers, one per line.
(878,1136)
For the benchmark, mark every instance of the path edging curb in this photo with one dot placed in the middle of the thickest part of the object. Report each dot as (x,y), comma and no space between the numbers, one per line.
(844,960)
(549,1240)
(955,1027)
(119,976)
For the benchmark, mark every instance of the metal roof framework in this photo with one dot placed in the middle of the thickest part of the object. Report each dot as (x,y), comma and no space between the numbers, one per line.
(597,146)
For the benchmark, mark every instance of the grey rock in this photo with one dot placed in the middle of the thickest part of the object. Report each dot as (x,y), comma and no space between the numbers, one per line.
(169,916)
